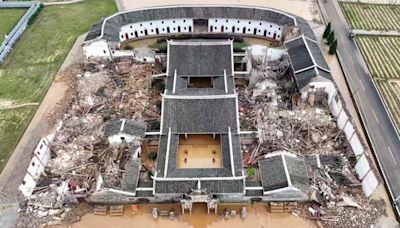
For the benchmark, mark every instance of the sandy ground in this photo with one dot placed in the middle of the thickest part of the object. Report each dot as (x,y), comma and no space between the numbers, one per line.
(303,8)
(257,217)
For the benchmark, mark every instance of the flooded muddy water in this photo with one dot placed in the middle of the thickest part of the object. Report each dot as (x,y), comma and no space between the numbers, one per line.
(257,217)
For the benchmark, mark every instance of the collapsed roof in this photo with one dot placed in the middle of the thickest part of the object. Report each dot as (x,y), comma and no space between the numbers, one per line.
(125,126)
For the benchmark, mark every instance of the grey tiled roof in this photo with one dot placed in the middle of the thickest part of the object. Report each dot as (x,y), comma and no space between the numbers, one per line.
(305,77)
(178,187)
(95,30)
(306,57)
(131,177)
(317,54)
(297,172)
(201,58)
(199,115)
(273,175)
(114,23)
(298,54)
(253,183)
(304,53)
(131,128)
(223,186)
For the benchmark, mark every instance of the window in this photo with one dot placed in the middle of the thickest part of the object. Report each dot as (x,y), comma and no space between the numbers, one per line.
(131,26)
(33,164)
(200,82)
(248,30)
(141,32)
(174,29)
(104,51)
(173,21)
(279,28)
(122,36)
(279,36)
(140,24)
(122,138)
(41,146)
(163,29)
(152,30)
(270,26)
(184,28)
(151,23)
(260,23)
(23,182)
(216,20)
(162,22)
(238,21)
(249,22)
(336,98)
(226,20)
(184,20)
(131,33)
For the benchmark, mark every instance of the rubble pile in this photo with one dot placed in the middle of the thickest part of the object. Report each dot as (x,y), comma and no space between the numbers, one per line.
(283,122)
(81,155)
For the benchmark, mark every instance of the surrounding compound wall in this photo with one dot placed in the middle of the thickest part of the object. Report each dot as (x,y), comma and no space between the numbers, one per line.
(363,168)
(41,157)
(17,31)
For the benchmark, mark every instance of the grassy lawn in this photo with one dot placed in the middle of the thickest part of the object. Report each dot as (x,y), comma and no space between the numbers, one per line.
(8,19)
(12,125)
(372,16)
(28,71)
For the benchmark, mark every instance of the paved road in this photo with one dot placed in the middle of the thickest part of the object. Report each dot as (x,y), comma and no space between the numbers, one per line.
(382,134)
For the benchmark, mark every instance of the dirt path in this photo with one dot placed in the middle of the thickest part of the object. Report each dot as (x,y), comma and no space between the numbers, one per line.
(13,173)
(61,2)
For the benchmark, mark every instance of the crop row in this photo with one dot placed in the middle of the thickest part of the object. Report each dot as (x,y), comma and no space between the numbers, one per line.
(372,16)
(390,92)
(382,55)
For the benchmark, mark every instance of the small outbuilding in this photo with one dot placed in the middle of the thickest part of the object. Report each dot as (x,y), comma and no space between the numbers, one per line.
(284,176)
(310,70)
(125,131)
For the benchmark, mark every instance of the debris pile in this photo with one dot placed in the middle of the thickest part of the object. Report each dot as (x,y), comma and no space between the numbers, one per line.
(270,106)
(81,154)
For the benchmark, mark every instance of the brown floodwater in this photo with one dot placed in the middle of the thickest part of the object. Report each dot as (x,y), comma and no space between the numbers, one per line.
(257,217)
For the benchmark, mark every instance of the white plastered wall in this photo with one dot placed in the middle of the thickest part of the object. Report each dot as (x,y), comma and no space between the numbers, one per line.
(120,138)
(98,49)
(250,27)
(139,29)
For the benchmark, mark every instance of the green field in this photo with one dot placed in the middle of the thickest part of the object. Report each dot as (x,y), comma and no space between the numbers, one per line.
(28,71)
(372,16)
(8,19)
(382,54)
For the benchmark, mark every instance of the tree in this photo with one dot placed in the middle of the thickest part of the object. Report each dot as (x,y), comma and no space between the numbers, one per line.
(331,38)
(327,31)
(332,49)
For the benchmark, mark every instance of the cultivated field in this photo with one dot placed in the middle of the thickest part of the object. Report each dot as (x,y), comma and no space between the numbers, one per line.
(372,16)
(382,55)
(29,70)
(8,19)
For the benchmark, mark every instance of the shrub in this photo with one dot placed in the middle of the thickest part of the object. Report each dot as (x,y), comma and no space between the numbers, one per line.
(332,49)
(251,171)
(327,31)
(331,38)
